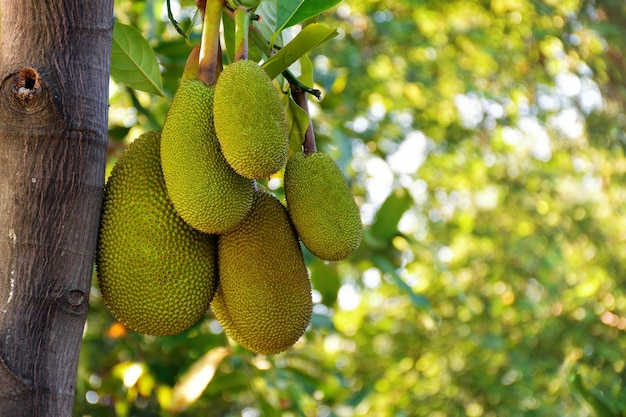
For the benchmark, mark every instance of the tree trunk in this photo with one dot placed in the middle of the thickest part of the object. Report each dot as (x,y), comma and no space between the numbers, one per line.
(54,72)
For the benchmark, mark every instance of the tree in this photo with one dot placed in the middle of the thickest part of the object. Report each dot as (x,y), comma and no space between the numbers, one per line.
(485,143)
(53,135)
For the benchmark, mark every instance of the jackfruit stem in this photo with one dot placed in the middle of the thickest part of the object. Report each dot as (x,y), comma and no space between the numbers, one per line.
(201,5)
(190,72)
(299,96)
(242,26)
(209,45)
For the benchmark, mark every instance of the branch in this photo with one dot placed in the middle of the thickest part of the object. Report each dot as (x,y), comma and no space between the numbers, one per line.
(293,80)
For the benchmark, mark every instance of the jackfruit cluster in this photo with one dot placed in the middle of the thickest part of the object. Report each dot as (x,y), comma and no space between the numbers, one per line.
(169,200)
(185,224)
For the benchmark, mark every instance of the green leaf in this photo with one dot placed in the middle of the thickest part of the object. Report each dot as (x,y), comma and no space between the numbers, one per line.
(387,267)
(285,12)
(322,322)
(267,24)
(306,71)
(193,382)
(310,37)
(229,36)
(277,15)
(309,9)
(325,280)
(597,402)
(385,227)
(133,62)
(298,121)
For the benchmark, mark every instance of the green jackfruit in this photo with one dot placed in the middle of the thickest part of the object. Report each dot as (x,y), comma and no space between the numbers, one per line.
(321,206)
(207,193)
(156,274)
(250,120)
(263,300)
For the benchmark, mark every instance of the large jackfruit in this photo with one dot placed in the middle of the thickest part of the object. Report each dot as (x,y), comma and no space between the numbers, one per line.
(321,206)
(263,300)
(207,193)
(250,120)
(157,275)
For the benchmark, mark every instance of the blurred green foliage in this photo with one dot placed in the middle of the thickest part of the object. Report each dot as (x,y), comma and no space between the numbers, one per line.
(484,141)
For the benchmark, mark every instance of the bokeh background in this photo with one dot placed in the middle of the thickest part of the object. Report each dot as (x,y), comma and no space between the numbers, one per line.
(484,142)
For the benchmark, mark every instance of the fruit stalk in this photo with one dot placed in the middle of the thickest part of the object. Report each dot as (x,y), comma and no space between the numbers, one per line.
(192,66)
(299,96)
(209,45)
(242,25)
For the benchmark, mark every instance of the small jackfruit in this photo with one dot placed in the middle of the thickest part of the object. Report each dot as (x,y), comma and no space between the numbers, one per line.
(263,300)
(207,193)
(250,120)
(321,206)
(156,274)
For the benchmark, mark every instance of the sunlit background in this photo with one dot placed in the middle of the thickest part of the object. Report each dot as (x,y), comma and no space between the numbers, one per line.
(484,142)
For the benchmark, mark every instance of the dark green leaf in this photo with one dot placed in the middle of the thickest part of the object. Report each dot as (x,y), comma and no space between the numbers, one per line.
(309,9)
(298,121)
(320,321)
(325,280)
(387,267)
(597,402)
(267,24)
(285,12)
(229,36)
(118,133)
(306,71)
(133,61)
(385,227)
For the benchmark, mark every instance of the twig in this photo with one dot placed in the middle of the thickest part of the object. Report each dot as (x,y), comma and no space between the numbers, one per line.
(293,80)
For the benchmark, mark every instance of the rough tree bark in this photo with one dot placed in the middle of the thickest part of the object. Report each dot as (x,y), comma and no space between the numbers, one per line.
(54,72)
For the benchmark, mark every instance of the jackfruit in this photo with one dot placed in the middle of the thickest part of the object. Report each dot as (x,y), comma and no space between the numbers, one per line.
(156,274)
(263,300)
(321,206)
(206,192)
(250,120)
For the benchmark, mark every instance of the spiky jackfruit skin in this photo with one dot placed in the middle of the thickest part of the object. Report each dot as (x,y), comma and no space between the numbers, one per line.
(321,206)
(250,120)
(263,300)
(156,274)
(207,193)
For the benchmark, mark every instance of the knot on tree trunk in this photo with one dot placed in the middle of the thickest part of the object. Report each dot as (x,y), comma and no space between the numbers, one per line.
(77,301)
(25,93)
(26,84)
